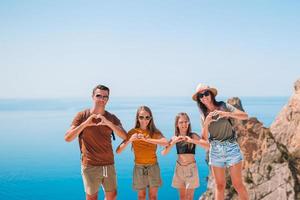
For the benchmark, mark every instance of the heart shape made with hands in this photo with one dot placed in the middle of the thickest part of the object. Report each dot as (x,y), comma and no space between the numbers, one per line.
(140,136)
(98,120)
(216,117)
(99,116)
(183,138)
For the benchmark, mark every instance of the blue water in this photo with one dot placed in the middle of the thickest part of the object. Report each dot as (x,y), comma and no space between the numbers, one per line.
(36,162)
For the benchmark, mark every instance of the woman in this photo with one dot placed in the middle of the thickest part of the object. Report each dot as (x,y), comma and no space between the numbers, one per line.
(144,138)
(185,177)
(224,149)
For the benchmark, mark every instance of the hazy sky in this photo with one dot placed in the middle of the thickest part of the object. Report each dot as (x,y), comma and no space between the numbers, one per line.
(62,48)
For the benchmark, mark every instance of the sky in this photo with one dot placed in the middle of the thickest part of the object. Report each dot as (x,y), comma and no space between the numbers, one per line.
(63,48)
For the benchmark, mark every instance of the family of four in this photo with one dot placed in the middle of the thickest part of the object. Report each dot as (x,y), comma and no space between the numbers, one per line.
(94,128)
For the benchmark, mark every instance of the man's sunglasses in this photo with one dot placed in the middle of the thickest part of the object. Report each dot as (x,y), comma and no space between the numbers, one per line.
(144,117)
(201,95)
(99,96)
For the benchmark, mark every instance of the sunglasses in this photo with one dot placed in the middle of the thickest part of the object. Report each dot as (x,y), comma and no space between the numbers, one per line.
(201,95)
(99,96)
(144,117)
(183,122)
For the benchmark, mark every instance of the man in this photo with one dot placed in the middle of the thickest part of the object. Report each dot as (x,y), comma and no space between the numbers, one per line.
(94,128)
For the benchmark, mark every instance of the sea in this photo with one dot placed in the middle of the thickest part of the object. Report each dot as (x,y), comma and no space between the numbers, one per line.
(37,164)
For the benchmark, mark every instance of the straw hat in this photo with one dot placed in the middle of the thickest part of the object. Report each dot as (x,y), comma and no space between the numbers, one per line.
(201,87)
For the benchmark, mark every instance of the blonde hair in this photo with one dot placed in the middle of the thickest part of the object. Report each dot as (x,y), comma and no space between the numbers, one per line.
(182,114)
(189,130)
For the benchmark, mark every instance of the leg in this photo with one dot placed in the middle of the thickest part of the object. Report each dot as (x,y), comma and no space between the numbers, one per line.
(91,197)
(142,194)
(186,194)
(91,181)
(109,183)
(154,181)
(153,193)
(190,194)
(192,181)
(237,181)
(111,195)
(182,193)
(219,177)
(140,181)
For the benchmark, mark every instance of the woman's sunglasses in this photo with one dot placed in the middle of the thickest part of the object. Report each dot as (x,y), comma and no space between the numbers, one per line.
(201,95)
(144,117)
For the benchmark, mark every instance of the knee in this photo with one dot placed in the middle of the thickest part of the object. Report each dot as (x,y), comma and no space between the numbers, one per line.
(92,197)
(111,195)
(238,185)
(114,195)
(141,195)
(189,197)
(220,186)
(182,196)
(152,196)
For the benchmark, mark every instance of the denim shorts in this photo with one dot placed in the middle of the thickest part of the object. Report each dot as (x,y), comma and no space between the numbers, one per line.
(224,154)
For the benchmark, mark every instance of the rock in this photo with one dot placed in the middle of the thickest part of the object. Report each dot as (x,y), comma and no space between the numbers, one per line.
(286,127)
(236,102)
(271,155)
(297,86)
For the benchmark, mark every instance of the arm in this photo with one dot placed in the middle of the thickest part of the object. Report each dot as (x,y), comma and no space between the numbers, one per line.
(125,143)
(74,131)
(172,142)
(205,132)
(232,112)
(205,126)
(122,146)
(118,129)
(160,141)
(237,114)
(196,139)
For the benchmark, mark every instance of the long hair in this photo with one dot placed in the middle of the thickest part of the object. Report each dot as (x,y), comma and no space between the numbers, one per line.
(189,130)
(182,114)
(151,126)
(203,108)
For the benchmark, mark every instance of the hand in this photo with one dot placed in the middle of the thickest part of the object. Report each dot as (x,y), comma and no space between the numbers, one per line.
(181,138)
(223,114)
(137,136)
(189,139)
(176,139)
(90,120)
(142,137)
(134,137)
(208,120)
(104,121)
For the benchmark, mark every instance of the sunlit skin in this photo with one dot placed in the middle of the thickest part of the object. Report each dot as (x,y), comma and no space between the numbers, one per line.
(97,111)
(144,119)
(218,172)
(144,122)
(183,124)
(143,125)
(100,99)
